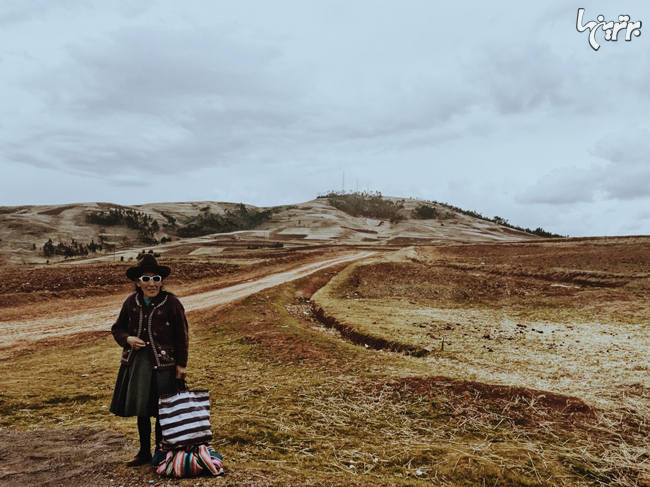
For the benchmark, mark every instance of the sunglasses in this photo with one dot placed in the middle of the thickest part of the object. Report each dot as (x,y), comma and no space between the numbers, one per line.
(150,278)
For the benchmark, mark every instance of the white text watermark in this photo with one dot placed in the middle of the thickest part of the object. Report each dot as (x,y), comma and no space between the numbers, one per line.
(610,28)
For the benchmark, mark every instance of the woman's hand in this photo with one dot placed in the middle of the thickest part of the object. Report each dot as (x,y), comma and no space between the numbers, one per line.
(180,372)
(135,343)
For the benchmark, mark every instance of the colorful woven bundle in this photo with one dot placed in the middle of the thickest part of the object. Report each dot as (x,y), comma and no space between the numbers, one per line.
(191,461)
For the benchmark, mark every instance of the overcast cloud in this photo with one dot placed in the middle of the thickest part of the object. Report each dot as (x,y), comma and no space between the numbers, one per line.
(490,107)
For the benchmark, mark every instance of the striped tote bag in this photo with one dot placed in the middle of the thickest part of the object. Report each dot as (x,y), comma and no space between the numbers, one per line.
(185,418)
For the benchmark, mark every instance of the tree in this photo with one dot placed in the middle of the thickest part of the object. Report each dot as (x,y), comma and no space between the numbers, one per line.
(48,248)
(425,212)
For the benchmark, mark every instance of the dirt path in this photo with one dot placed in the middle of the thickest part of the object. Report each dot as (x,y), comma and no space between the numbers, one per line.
(20,334)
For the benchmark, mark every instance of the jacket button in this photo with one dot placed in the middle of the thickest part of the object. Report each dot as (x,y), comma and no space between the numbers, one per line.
(155,366)
(147,343)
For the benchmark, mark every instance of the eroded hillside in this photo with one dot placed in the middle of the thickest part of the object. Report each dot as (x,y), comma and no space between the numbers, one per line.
(96,230)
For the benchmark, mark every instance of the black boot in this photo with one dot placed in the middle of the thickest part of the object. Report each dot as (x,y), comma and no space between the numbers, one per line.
(138,460)
(144,431)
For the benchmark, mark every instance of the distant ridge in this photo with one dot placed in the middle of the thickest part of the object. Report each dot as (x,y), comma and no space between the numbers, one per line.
(326,220)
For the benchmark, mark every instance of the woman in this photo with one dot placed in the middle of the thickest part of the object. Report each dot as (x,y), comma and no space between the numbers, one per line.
(152,329)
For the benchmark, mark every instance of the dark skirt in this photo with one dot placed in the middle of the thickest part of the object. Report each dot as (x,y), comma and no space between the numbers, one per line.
(138,387)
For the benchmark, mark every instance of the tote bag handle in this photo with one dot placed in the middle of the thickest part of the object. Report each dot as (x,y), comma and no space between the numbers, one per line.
(181,385)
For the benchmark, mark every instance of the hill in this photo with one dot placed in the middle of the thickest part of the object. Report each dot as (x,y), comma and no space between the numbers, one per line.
(34,234)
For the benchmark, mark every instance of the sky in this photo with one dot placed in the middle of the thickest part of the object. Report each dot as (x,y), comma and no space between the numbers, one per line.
(499,107)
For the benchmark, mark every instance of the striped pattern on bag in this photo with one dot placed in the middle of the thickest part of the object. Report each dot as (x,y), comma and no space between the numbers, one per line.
(185,418)
(190,462)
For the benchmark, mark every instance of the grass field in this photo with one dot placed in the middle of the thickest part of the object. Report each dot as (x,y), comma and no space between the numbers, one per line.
(295,404)
(570,318)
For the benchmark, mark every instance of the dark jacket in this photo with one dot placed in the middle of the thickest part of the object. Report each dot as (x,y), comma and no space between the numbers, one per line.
(161,324)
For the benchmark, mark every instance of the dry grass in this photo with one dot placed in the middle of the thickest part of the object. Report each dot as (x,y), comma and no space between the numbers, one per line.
(499,314)
(293,404)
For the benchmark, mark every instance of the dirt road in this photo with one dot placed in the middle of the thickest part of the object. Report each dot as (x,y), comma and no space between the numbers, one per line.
(20,334)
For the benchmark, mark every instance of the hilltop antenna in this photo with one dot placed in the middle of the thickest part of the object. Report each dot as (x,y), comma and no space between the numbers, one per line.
(343,183)
(357,190)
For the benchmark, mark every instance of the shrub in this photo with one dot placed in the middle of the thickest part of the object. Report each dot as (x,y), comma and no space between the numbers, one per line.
(145,224)
(69,250)
(502,221)
(241,218)
(396,218)
(276,245)
(171,221)
(369,205)
(424,212)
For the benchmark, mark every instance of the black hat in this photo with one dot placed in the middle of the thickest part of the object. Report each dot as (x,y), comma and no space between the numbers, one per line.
(147,263)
